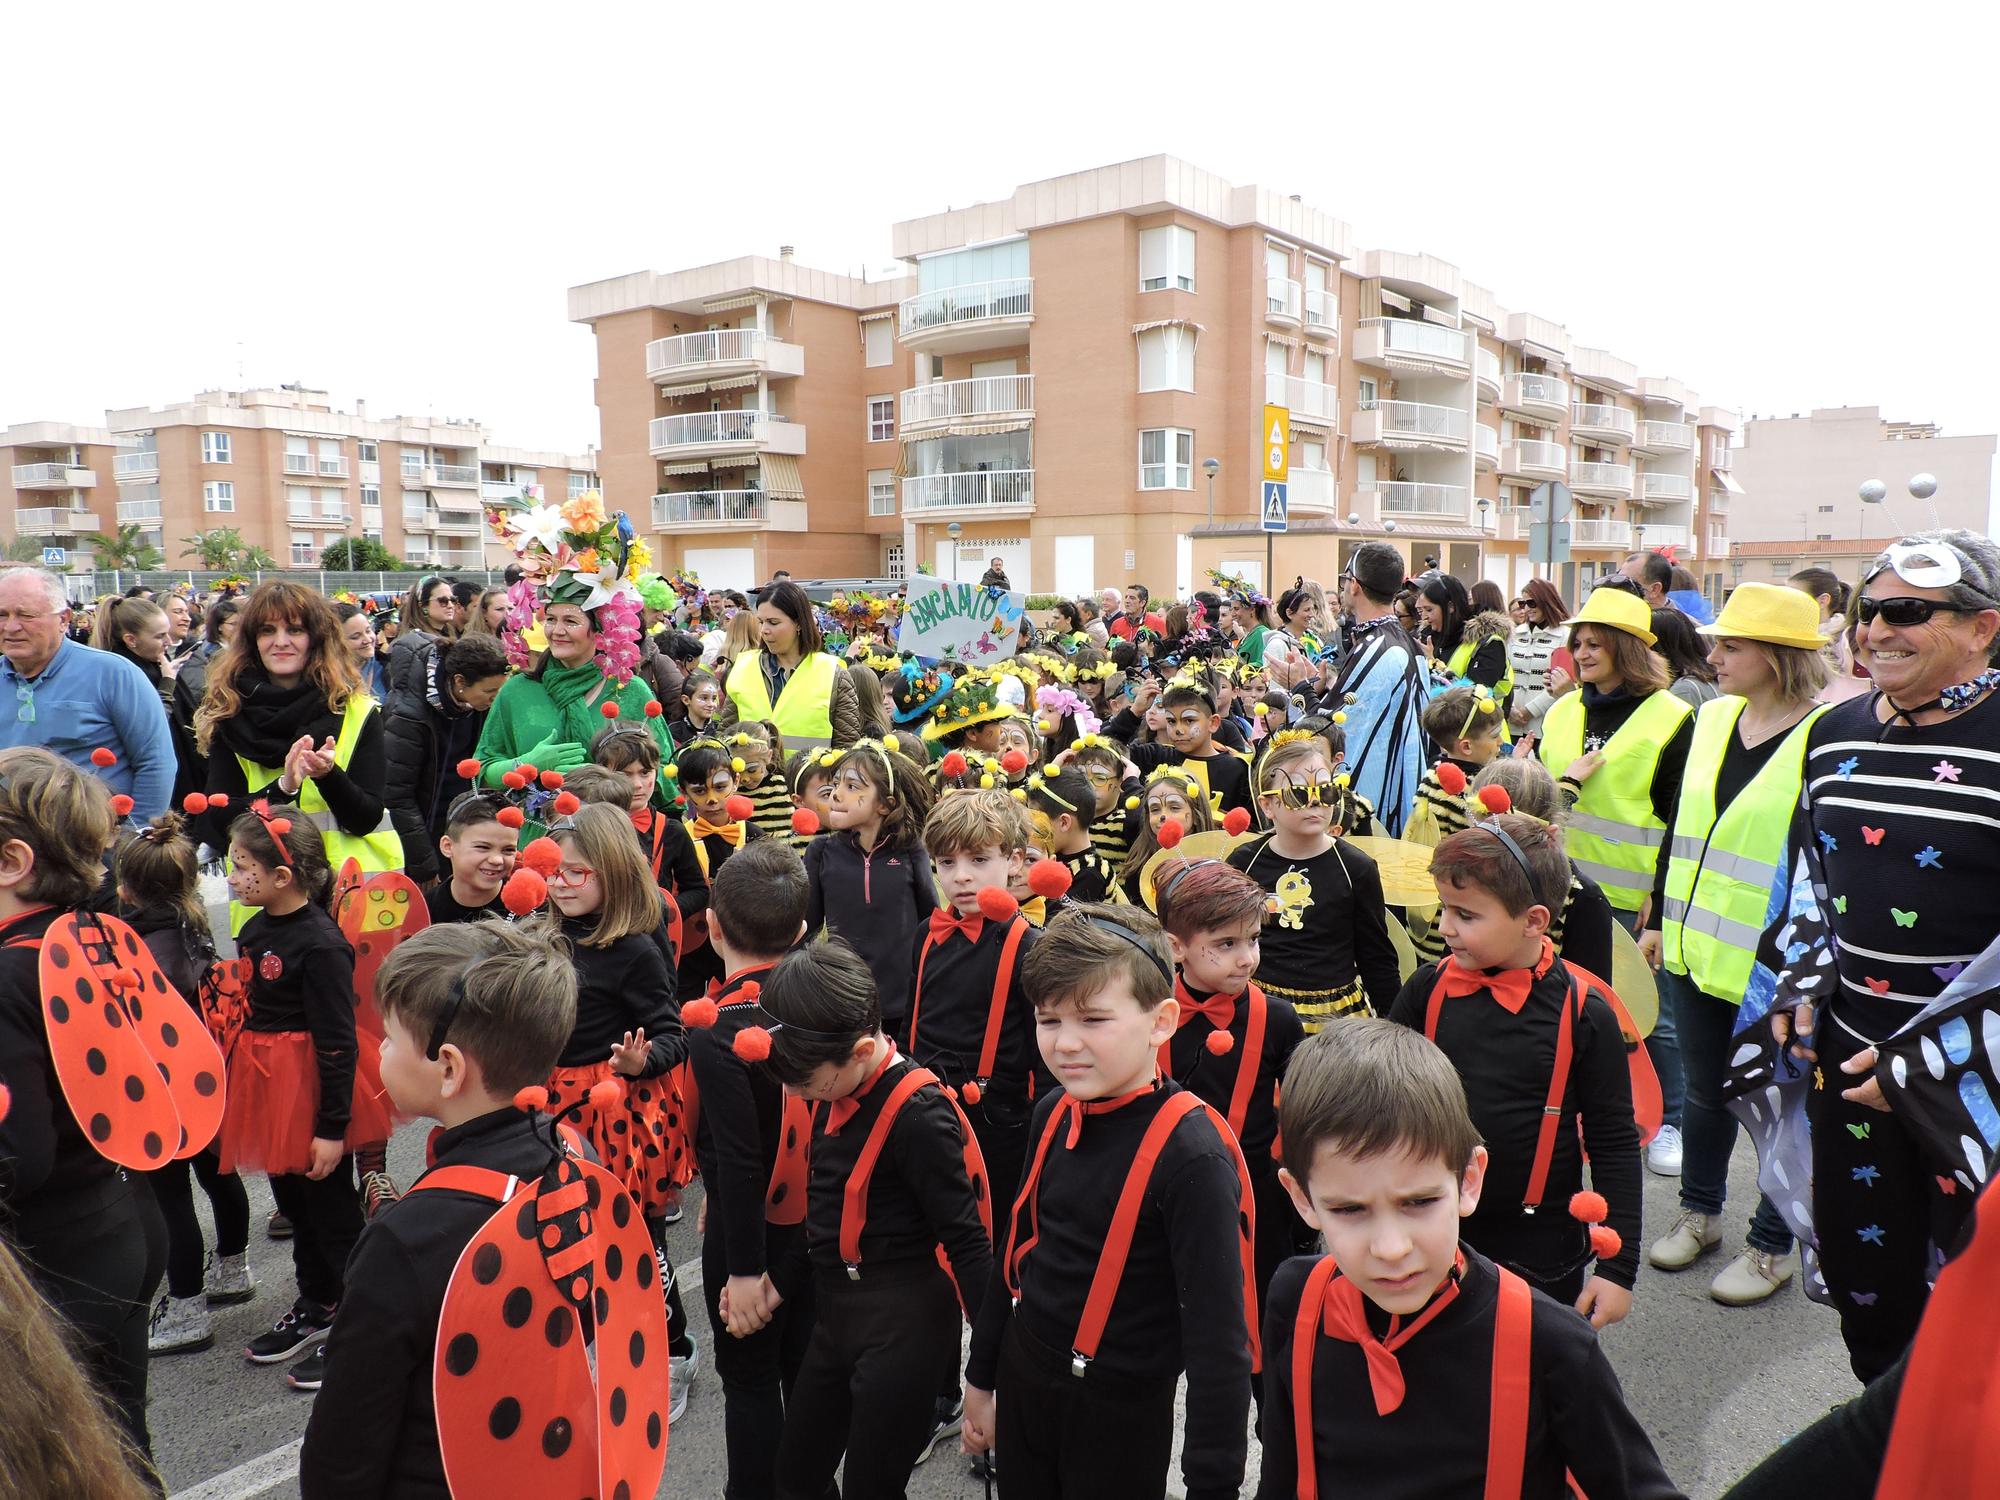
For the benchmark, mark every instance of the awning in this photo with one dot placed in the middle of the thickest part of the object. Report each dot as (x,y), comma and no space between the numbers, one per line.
(1440,317)
(780,475)
(1543,352)
(730,304)
(987,429)
(1727,480)
(1281,340)
(1138,328)
(1321,425)
(876,317)
(733,461)
(684,390)
(675,471)
(1395,299)
(735,383)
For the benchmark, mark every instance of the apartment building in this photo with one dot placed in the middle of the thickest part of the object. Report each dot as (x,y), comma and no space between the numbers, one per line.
(286,468)
(1049,376)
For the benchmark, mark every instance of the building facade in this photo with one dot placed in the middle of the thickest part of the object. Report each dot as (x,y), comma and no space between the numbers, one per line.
(1050,376)
(289,471)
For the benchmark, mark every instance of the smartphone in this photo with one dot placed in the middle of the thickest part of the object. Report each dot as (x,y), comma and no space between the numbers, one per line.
(1560,657)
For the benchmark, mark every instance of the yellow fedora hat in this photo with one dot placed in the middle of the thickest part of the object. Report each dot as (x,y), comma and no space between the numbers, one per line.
(1769,613)
(1618,609)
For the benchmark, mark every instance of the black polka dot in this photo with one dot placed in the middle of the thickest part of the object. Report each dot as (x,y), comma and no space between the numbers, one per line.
(58,1009)
(94,1060)
(601,1303)
(100,1128)
(978,1188)
(135,1089)
(618,1406)
(653,1430)
(165,1076)
(58,955)
(461,1354)
(204,1084)
(637,1349)
(518,1307)
(779,1191)
(593,1193)
(524,1221)
(152,1145)
(642,1271)
(159,981)
(85,990)
(133,1006)
(614,1262)
(168,1035)
(791,1137)
(113,1016)
(486,1264)
(623,1492)
(555,1437)
(558,1327)
(504,1418)
(621,1210)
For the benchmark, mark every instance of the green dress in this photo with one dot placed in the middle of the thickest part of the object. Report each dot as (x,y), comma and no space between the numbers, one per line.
(566,704)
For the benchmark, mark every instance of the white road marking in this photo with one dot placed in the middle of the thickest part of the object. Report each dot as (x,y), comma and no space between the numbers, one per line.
(257,1476)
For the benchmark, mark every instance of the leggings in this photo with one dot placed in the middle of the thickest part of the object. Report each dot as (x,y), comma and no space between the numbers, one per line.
(326,1221)
(677,1318)
(173,1189)
(757,1372)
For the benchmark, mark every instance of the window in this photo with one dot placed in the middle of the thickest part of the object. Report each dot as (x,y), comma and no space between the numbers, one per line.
(1166,358)
(302,549)
(215,447)
(365,452)
(371,497)
(881,419)
(1004,261)
(1365,394)
(218,495)
(1166,259)
(1166,459)
(1826,510)
(579,485)
(1312,455)
(878,341)
(413,463)
(881,492)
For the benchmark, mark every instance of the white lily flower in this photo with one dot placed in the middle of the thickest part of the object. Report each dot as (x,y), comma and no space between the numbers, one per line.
(541,523)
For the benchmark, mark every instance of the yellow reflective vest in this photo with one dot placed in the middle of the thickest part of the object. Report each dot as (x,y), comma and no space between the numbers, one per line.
(804,710)
(1462,658)
(1613,833)
(1723,867)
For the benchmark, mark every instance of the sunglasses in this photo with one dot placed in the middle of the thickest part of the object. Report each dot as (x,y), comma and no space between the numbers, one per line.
(1312,794)
(1902,611)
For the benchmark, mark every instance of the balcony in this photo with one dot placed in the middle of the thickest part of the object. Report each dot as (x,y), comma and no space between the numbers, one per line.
(1544,398)
(1665,489)
(1527,459)
(53,522)
(454,474)
(138,512)
(1717,503)
(53,477)
(1486,371)
(989,492)
(307,515)
(1399,498)
(1654,536)
(1485,448)
(943,402)
(1413,347)
(726,510)
(720,352)
(983,315)
(452,501)
(142,464)
(457,523)
(1718,541)
(1322,312)
(1306,400)
(1612,481)
(719,433)
(1411,424)
(1284,301)
(1313,491)
(494,491)
(1602,424)
(1663,437)
(420,520)
(323,467)
(1600,534)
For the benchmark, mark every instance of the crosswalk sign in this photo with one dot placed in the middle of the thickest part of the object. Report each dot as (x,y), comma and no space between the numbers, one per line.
(1277,505)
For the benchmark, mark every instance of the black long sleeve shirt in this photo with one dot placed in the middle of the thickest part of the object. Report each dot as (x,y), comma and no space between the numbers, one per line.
(1213,1078)
(1740,762)
(1433,1446)
(619,988)
(948,1015)
(736,1129)
(302,979)
(1506,1062)
(875,901)
(354,796)
(1228,773)
(670,852)
(1331,924)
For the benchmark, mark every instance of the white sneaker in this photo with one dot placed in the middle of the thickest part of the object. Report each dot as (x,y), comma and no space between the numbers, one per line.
(179,1326)
(1692,1236)
(229,1280)
(681,1369)
(1663,1152)
(1751,1277)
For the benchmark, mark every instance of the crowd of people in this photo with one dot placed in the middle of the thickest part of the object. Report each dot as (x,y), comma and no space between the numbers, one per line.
(1219,988)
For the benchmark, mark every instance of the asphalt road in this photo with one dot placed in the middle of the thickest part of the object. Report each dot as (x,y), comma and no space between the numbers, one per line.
(1716,1387)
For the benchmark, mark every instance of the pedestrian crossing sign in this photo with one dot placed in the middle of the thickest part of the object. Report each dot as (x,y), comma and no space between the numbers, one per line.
(1277,506)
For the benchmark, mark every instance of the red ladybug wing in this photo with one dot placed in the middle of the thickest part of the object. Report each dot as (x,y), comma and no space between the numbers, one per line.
(387,908)
(345,884)
(632,1394)
(139,1071)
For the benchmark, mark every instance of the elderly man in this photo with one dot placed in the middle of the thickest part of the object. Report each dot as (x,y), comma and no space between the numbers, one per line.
(1652,573)
(72,700)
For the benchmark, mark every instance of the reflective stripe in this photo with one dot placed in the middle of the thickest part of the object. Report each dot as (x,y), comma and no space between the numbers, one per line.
(1623,833)
(1713,924)
(326,822)
(1737,866)
(1612,875)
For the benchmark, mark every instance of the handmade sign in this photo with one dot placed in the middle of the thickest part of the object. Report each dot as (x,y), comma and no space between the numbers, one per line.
(960,621)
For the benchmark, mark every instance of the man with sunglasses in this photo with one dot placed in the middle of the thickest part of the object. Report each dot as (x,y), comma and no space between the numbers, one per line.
(1382,687)
(1899,830)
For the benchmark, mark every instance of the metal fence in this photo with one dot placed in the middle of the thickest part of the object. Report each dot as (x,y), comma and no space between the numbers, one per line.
(86,586)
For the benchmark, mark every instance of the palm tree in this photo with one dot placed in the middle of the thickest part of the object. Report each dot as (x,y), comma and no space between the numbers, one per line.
(128,551)
(221,549)
(255,557)
(24,549)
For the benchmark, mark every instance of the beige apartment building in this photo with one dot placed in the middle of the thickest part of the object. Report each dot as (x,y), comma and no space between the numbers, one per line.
(1048,378)
(286,468)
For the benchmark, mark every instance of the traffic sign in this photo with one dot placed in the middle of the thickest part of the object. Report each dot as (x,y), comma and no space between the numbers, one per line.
(1548,542)
(55,557)
(1549,502)
(1277,505)
(1277,443)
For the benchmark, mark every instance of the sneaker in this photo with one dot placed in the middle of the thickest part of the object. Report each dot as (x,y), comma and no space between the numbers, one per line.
(229,1280)
(277,1227)
(1663,1152)
(297,1331)
(179,1326)
(1751,1277)
(681,1370)
(984,1466)
(309,1373)
(948,1418)
(378,1191)
(1693,1235)
(672,1215)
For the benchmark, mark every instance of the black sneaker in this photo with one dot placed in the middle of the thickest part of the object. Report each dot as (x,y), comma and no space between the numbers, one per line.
(984,1466)
(309,1373)
(947,1418)
(297,1331)
(277,1227)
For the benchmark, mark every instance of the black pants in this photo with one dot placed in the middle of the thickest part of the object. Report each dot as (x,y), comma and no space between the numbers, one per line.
(1094,1438)
(326,1221)
(757,1373)
(99,1269)
(869,1381)
(173,1188)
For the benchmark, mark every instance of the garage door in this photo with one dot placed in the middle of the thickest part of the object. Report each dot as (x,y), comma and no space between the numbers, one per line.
(724,567)
(973,556)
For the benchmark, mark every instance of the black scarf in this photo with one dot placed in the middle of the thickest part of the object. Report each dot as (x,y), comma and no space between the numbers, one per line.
(270,719)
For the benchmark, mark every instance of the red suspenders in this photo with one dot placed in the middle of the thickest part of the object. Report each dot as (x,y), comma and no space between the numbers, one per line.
(1507,1422)
(1249,1059)
(996,1010)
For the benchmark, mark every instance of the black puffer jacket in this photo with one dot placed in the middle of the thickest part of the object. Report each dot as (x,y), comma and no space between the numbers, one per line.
(426,735)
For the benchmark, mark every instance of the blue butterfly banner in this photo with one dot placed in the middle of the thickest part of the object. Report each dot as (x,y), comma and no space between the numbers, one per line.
(959,622)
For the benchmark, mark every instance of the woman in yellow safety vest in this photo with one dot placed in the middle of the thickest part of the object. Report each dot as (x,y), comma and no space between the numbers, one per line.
(1617,745)
(792,681)
(1726,876)
(1470,645)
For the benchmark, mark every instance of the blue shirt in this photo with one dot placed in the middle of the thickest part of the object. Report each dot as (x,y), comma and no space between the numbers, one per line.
(86,698)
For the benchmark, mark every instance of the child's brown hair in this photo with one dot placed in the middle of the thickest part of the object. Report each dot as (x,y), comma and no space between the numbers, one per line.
(625,747)
(516,992)
(1078,954)
(968,821)
(157,866)
(1479,857)
(63,815)
(630,902)
(1455,715)
(1146,843)
(904,790)
(303,851)
(1369,1085)
(599,786)
(1200,895)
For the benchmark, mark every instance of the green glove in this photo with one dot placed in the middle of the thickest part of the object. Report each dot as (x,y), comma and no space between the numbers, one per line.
(559,755)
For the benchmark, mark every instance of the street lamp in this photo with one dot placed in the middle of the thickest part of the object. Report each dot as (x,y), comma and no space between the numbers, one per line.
(1484,506)
(954,531)
(1209,466)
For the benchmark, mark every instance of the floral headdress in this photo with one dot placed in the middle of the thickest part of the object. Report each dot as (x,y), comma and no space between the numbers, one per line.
(1056,704)
(915,688)
(575,554)
(973,700)
(1236,587)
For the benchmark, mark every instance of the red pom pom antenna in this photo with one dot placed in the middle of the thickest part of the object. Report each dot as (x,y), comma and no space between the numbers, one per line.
(1495,799)
(1014,762)
(567,803)
(607,1094)
(6,1100)
(470,768)
(1605,1242)
(972,1092)
(609,710)
(1171,833)
(524,891)
(752,1044)
(102,757)
(218,799)
(739,808)
(122,805)
(510,817)
(1049,879)
(194,804)
(653,709)
(805,822)
(1588,1207)
(1451,778)
(279,826)
(1221,1043)
(513,781)
(551,779)
(1236,822)
(534,1096)
(952,765)
(700,1014)
(996,905)
(542,855)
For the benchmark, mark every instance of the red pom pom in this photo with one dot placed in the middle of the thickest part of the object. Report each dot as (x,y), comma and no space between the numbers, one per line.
(952,765)
(551,779)
(125,979)
(1495,799)
(1451,779)
(194,804)
(653,709)
(609,710)
(122,805)
(1171,833)
(1049,879)
(513,781)
(218,799)
(534,1096)
(567,803)
(1014,762)
(528,771)
(971,1092)
(469,768)
(805,822)
(748,991)
(739,808)
(542,855)
(1221,1043)
(1605,1242)
(6,1100)
(1588,1207)
(1236,822)
(524,891)
(680,800)
(510,817)
(607,1094)
(700,1014)
(752,1044)
(102,757)
(279,826)
(997,905)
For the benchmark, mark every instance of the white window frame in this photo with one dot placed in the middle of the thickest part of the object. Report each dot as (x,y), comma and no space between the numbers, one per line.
(302,542)
(881,492)
(1174,468)
(881,414)
(1171,269)
(1177,343)
(216,448)
(368,490)
(365,452)
(1365,396)
(218,496)
(412,463)
(579,486)
(878,337)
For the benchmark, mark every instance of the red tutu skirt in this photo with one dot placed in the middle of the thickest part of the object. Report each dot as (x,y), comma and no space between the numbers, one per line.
(273,1095)
(643,1142)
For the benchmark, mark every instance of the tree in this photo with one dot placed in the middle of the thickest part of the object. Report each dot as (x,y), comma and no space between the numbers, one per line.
(359,555)
(220,550)
(24,549)
(128,551)
(255,558)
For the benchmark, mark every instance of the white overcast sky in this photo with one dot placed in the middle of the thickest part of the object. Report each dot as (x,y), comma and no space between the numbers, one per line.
(1785,206)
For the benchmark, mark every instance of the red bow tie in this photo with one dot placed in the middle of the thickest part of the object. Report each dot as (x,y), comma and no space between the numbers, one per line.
(643,820)
(1346,1317)
(945,921)
(1219,1009)
(840,1111)
(1509,986)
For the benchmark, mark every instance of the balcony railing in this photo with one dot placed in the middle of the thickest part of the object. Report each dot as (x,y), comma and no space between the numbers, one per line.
(1524,390)
(332,468)
(1302,397)
(1591,476)
(1401,497)
(55,522)
(1485,444)
(710,508)
(1486,369)
(140,465)
(298,463)
(1665,435)
(1666,487)
(952,400)
(454,473)
(1524,454)
(1313,490)
(1419,419)
(1651,535)
(52,477)
(1012,298)
(1718,541)
(1412,339)
(1283,299)
(1592,418)
(688,428)
(998,489)
(716,346)
(1722,458)
(138,511)
(1600,533)
(1322,310)
(1717,503)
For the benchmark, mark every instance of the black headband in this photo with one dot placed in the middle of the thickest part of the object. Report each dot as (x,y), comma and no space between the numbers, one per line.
(445,1017)
(1119,930)
(1520,855)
